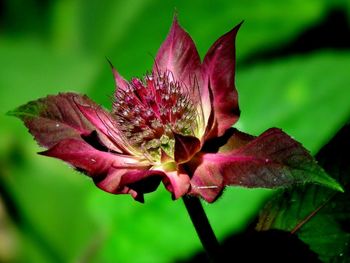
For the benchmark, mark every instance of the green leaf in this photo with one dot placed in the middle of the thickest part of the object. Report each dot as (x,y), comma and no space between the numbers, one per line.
(307,96)
(319,216)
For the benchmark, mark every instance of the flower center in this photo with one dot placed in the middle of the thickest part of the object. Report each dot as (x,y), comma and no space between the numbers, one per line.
(149,111)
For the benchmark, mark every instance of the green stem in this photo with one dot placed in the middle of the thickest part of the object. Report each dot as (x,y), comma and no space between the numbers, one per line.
(201,224)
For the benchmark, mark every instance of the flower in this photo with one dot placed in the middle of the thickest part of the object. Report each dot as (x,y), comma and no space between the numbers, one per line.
(173,126)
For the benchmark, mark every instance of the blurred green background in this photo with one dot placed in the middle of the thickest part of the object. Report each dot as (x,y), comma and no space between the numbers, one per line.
(293,72)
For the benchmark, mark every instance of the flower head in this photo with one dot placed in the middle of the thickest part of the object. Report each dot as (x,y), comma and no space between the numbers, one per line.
(173,126)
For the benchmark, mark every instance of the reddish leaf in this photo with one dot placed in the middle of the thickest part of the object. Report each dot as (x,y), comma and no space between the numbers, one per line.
(271,160)
(55,118)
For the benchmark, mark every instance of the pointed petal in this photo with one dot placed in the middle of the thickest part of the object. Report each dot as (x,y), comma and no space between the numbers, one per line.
(178,54)
(177,182)
(185,147)
(271,160)
(219,72)
(120,82)
(55,118)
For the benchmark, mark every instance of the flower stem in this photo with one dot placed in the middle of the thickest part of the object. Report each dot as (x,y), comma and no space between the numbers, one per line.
(201,224)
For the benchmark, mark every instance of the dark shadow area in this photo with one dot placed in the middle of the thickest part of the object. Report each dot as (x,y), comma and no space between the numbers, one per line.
(23,16)
(2,12)
(270,246)
(333,32)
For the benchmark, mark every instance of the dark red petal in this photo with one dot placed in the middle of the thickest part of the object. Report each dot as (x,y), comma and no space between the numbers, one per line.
(113,173)
(271,160)
(185,147)
(178,54)
(55,118)
(206,182)
(219,72)
(177,182)
(134,181)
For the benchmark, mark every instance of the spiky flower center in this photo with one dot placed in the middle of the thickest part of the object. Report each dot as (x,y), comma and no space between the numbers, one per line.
(149,111)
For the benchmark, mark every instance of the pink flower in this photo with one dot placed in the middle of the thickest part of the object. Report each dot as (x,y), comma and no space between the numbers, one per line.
(173,126)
